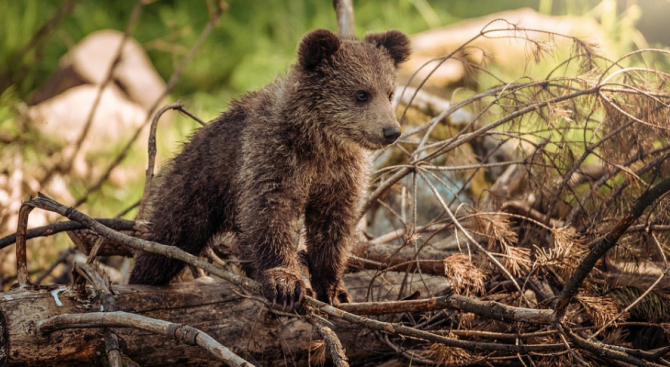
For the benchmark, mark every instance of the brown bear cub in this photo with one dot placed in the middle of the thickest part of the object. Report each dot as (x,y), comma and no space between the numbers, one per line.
(298,147)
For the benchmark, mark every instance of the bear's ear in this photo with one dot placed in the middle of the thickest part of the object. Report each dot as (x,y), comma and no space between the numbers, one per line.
(316,46)
(395,42)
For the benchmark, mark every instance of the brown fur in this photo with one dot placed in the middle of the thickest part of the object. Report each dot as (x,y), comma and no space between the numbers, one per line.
(298,146)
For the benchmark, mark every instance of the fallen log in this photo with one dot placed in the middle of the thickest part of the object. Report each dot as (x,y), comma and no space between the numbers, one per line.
(239,321)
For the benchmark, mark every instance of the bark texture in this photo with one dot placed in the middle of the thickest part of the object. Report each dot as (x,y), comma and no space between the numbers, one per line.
(239,322)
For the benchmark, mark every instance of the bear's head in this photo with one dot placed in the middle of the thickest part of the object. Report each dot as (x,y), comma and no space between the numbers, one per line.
(350,84)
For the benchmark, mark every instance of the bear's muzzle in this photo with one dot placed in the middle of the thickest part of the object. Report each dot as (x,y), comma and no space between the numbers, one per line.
(391,134)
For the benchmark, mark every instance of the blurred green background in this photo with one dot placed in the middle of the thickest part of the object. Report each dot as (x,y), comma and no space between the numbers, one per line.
(255,40)
(252,43)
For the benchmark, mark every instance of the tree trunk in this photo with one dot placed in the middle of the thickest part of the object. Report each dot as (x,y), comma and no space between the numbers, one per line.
(239,322)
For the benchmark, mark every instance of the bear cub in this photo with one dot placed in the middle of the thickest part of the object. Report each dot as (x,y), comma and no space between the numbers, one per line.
(299,147)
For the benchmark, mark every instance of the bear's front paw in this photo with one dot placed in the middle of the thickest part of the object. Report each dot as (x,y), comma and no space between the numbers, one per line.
(284,287)
(335,295)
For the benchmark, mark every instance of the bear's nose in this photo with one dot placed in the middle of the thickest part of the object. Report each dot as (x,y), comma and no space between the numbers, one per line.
(391,134)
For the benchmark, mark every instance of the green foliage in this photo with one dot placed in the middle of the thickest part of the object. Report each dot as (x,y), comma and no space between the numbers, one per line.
(8,99)
(253,40)
(251,44)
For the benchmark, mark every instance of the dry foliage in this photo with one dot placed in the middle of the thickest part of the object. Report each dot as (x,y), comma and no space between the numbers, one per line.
(464,276)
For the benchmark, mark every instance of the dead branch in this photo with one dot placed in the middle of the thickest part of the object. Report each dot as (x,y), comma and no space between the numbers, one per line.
(180,333)
(152,155)
(487,309)
(609,241)
(118,224)
(334,345)
(108,305)
(21,262)
(46,203)
(152,151)
(399,329)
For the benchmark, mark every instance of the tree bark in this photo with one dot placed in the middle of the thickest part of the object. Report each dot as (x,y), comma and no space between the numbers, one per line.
(240,322)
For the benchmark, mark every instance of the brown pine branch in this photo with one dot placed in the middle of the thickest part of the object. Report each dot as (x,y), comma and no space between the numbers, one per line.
(609,241)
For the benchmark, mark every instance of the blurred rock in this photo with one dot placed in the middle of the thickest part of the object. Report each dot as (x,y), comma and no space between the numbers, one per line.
(89,61)
(66,114)
(61,107)
(510,52)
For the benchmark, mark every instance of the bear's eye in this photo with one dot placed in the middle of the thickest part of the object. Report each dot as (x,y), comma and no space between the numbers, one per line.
(362,96)
(391,97)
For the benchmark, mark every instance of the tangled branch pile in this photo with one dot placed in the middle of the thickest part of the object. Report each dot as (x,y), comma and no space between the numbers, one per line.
(569,157)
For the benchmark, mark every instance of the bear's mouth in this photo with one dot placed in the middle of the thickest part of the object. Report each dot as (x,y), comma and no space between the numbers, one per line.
(372,142)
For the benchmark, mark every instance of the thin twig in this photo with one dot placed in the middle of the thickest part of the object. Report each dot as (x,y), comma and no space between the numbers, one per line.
(469,237)
(643,295)
(130,27)
(61,258)
(53,228)
(152,156)
(603,350)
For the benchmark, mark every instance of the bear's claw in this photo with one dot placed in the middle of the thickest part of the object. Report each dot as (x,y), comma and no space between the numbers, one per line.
(284,287)
(335,295)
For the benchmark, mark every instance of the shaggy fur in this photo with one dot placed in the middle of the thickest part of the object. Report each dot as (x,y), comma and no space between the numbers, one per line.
(298,146)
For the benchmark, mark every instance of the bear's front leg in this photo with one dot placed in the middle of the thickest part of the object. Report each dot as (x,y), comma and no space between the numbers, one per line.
(330,223)
(267,219)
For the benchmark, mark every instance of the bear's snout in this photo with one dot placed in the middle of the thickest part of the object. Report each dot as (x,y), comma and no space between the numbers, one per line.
(391,134)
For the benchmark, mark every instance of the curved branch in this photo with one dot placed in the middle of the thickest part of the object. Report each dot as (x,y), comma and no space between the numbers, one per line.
(180,333)
(215,15)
